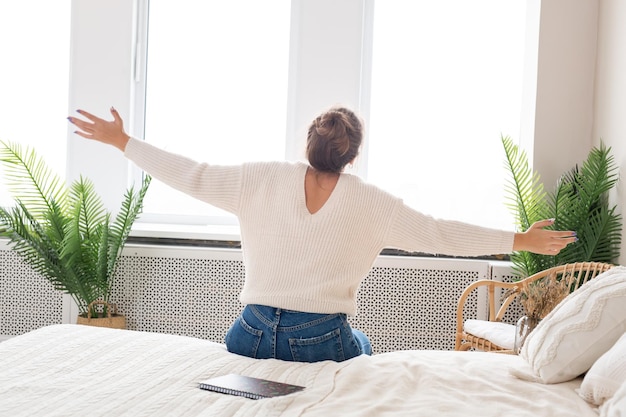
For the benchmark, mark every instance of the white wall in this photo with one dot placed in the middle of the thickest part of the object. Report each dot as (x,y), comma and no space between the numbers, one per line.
(610,92)
(565,75)
(100,70)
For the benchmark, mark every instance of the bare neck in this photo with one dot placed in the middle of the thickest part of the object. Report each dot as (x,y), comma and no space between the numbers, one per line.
(318,187)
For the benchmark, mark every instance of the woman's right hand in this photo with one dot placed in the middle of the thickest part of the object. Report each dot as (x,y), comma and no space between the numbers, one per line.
(109,132)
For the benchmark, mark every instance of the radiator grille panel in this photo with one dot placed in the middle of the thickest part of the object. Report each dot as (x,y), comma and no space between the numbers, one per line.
(191,297)
(27,301)
(404,303)
(406,308)
(515,310)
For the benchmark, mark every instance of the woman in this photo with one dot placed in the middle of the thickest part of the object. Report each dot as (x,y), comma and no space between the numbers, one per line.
(310,234)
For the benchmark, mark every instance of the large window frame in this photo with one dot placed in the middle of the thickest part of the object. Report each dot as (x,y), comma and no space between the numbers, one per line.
(357,56)
(106,63)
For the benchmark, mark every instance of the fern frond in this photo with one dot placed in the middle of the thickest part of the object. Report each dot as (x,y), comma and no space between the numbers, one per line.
(28,177)
(87,207)
(81,246)
(527,201)
(583,196)
(599,171)
(121,227)
(31,242)
(602,235)
(526,192)
(102,271)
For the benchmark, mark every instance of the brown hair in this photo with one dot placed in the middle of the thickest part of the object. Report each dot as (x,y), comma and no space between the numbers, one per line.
(334,139)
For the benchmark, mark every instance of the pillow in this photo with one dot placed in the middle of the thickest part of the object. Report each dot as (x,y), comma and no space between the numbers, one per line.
(616,405)
(581,328)
(502,334)
(606,374)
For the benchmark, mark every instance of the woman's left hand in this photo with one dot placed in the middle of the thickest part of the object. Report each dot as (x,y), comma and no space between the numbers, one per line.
(544,242)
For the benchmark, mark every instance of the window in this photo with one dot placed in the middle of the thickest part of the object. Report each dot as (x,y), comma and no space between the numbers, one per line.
(34,79)
(216,89)
(446,83)
(219,73)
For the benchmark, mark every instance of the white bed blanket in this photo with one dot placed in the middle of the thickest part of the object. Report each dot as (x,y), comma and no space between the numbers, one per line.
(73,370)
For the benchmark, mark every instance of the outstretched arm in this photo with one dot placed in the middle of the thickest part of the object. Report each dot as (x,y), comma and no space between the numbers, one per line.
(111,133)
(213,184)
(416,232)
(545,242)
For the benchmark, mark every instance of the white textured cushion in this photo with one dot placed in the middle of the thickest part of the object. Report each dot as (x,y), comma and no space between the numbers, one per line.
(579,330)
(501,334)
(616,405)
(606,375)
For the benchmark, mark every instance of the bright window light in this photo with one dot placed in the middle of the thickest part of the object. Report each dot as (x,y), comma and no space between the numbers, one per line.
(216,89)
(34,77)
(447,82)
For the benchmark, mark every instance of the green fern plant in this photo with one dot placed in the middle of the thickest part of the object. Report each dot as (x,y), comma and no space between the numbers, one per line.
(64,233)
(579,202)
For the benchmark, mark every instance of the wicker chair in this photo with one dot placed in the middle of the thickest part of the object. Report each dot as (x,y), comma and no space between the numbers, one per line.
(582,271)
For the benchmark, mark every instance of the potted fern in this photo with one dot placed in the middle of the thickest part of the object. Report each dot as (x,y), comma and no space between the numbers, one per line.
(64,232)
(579,202)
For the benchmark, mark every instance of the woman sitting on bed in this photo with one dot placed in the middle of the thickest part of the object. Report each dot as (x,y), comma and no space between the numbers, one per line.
(310,234)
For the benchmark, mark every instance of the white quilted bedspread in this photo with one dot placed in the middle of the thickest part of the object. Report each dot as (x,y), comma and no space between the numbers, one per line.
(73,370)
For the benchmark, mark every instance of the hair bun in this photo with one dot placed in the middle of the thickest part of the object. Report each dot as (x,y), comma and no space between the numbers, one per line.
(335,131)
(334,139)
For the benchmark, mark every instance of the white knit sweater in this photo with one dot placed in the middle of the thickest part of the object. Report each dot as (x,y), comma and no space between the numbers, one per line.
(311,262)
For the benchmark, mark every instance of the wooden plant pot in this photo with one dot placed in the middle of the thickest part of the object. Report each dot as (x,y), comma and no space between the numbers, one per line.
(112,320)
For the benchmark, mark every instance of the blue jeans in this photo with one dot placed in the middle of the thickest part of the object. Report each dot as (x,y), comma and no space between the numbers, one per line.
(264,332)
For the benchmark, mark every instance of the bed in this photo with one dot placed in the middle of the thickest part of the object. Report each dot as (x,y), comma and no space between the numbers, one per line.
(572,364)
(75,370)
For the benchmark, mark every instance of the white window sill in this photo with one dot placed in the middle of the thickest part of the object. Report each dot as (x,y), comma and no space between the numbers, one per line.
(230,236)
(227,233)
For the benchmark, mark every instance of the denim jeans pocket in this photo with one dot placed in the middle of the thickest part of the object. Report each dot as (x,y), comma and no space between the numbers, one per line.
(243,339)
(319,348)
